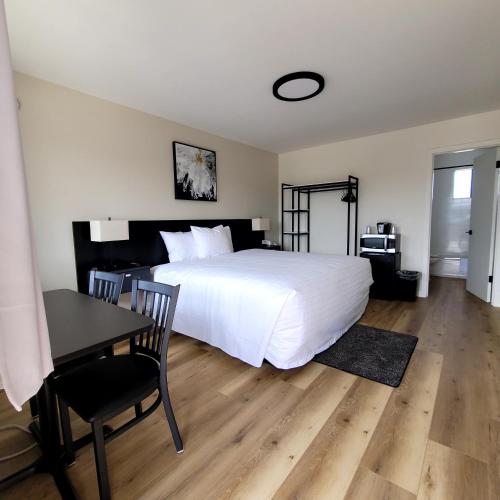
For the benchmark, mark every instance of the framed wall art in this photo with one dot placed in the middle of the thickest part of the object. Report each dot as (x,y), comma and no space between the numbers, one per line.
(195,173)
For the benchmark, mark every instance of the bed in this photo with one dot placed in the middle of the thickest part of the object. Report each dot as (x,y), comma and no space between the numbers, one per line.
(284,307)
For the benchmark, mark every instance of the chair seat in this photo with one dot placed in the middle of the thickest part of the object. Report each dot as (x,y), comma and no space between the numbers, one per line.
(102,387)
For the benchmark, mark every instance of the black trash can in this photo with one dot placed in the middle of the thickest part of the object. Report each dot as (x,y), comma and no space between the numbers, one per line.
(407,284)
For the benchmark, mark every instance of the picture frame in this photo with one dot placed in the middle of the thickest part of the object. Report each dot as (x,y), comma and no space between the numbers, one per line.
(195,172)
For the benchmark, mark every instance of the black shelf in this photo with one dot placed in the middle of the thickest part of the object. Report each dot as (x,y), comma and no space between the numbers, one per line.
(301,196)
(315,188)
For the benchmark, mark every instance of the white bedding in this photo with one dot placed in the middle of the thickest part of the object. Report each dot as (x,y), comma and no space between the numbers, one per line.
(255,304)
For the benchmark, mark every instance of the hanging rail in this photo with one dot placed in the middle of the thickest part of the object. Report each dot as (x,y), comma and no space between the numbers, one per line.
(351,185)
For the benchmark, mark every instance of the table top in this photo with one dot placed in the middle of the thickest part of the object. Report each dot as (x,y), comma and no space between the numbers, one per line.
(79,324)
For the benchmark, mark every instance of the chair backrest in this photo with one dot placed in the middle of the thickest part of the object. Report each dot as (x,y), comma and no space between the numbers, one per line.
(158,301)
(105,286)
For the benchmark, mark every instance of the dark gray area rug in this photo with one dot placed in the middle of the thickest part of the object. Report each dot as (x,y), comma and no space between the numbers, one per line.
(371,353)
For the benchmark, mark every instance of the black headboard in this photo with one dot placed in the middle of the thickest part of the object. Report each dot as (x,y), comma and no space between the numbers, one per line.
(145,245)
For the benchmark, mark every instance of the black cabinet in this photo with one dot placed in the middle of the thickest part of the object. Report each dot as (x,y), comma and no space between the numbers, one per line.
(384,267)
(139,272)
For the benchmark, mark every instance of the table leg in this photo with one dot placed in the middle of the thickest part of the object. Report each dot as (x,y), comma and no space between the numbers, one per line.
(47,436)
(50,439)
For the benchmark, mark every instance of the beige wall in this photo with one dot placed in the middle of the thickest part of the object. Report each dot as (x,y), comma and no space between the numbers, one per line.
(87,158)
(395,171)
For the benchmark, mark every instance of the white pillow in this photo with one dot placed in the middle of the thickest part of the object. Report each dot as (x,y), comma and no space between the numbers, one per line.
(227,230)
(180,246)
(212,242)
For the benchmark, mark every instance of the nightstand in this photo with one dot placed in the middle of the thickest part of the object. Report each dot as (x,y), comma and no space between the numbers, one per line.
(270,247)
(138,272)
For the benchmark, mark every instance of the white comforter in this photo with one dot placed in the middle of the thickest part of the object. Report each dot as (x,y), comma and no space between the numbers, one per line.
(255,304)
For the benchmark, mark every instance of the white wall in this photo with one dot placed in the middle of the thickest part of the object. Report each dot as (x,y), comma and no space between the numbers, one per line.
(456,159)
(495,290)
(495,287)
(87,158)
(395,171)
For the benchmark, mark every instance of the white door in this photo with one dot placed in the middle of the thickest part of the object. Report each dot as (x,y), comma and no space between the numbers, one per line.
(482,223)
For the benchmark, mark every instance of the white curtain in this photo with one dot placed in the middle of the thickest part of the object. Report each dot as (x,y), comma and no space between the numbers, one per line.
(25,358)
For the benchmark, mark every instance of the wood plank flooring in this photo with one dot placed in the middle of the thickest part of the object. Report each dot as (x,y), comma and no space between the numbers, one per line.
(315,432)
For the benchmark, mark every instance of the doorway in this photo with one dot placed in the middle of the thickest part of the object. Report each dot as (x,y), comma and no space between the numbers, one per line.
(464,205)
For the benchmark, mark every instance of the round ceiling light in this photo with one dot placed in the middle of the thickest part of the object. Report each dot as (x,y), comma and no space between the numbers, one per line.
(298,86)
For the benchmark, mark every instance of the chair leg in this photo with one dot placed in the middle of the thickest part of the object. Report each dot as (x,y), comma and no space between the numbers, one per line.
(67,435)
(100,460)
(33,407)
(138,409)
(170,417)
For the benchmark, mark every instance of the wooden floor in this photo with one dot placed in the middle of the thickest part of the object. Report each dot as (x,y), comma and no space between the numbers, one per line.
(316,432)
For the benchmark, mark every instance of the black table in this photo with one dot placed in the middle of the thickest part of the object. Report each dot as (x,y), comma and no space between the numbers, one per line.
(78,325)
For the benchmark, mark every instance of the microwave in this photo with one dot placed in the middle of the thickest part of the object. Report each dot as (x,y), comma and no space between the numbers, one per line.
(380,243)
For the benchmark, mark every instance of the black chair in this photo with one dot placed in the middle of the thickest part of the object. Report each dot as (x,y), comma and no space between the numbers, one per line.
(105,286)
(104,388)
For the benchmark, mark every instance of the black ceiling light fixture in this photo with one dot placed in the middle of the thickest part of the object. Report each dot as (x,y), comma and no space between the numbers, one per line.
(298,86)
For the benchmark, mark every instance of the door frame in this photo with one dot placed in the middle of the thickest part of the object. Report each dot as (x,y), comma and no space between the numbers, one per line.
(491,143)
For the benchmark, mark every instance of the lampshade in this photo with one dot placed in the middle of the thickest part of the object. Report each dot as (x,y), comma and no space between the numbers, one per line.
(261,224)
(108,230)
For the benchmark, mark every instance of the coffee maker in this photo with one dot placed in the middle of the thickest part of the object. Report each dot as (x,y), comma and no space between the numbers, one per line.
(384,227)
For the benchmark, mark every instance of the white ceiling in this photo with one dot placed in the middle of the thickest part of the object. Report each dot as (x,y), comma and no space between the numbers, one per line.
(388,64)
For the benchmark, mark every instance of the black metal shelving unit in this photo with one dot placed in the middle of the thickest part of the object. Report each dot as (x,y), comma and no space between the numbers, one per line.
(292,218)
